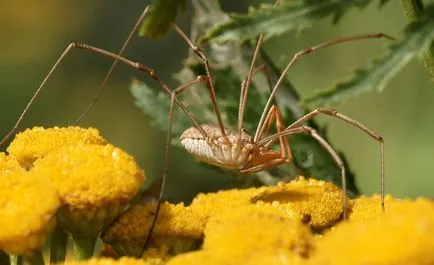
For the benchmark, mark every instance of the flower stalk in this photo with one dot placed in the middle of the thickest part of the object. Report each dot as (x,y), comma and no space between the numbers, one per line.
(59,241)
(83,246)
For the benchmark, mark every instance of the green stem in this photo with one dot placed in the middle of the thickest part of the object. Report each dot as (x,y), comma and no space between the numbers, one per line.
(413,10)
(35,259)
(16,260)
(83,247)
(59,240)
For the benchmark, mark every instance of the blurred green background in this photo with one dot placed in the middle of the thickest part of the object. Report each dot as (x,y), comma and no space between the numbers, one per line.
(35,33)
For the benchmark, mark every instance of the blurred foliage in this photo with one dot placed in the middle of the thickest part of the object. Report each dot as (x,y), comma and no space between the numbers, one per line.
(418,38)
(160,17)
(298,15)
(415,11)
(274,21)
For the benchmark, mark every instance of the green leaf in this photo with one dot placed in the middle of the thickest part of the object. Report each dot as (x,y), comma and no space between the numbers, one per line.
(288,16)
(418,37)
(155,103)
(160,17)
(413,10)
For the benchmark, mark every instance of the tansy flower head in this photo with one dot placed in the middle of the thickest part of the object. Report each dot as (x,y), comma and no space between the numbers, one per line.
(276,256)
(9,164)
(403,235)
(203,257)
(251,228)
(35,143)
(94,183)
(212,204)
(109,261)
(366,208)
(319,201)
(27,209)
(175,221)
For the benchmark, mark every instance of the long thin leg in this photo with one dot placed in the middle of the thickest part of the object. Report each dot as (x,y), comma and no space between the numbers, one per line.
(308,51)
(135,65)
(262,68)
(210,83)
(323,143)
(34,97)
(112,67)
(361,126)
(275,115)
(166,159)
(246,85)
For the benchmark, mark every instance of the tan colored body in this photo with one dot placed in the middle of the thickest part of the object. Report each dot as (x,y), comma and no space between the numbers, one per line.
(233,151)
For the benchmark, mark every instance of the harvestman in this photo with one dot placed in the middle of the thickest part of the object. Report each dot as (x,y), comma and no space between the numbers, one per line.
(217,145)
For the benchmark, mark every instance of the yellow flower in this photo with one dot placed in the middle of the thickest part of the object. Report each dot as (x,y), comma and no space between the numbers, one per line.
(277,256)
(203,257)
(109,261)
(259,257)
(35,143)
(9,164)
(94,183)
(366,208)
(256,227)
(132,227)
(27,212)
(315,202)
(403,235)
(212,204)
(319,201)
(157,255)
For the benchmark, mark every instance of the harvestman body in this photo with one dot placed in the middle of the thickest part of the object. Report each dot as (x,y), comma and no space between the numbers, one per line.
(217,145)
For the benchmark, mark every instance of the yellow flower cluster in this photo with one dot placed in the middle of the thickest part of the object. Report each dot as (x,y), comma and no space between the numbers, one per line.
(27,212)
(293,223)
(403,235)
(76,174)
(319,200)
(220,220)
(9,164)
(69,171)
(108,261)
(35,143)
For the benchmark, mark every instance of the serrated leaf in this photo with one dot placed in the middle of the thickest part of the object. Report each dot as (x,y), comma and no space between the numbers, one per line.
(273,21)
(160,17)
(418,38)
(228,86)
(155,104)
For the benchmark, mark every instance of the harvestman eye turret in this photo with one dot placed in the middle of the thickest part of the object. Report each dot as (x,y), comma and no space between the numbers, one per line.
(214,143)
